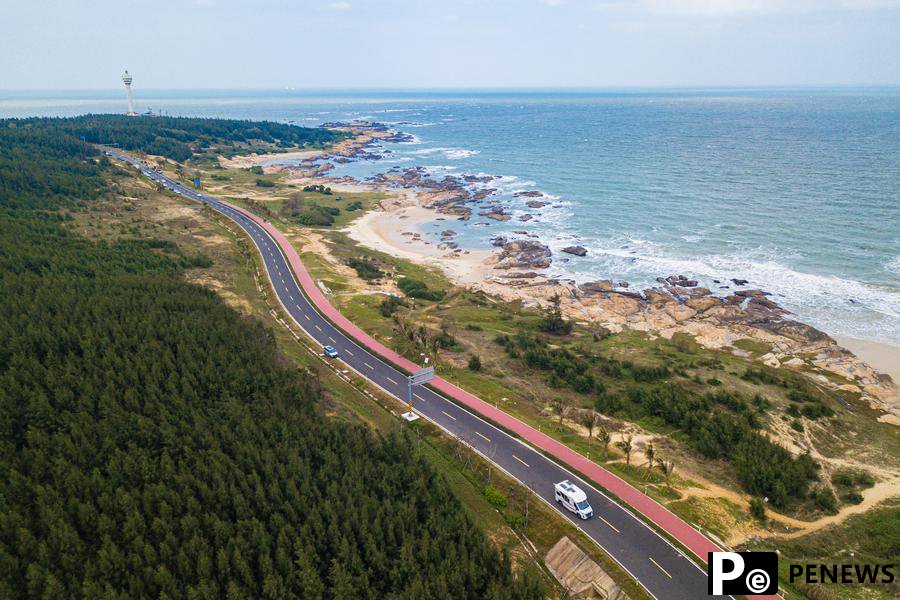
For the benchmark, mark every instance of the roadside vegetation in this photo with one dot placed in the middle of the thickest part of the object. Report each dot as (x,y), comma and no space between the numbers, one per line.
(154,443)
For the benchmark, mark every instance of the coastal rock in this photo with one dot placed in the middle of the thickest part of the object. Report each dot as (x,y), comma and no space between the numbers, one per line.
(680,281)
(536,204)
(739,281)
(499,241)
(593,287)
(497,213)
(526,217)
(448,233)
(529,194)
(576,250)
(524,254)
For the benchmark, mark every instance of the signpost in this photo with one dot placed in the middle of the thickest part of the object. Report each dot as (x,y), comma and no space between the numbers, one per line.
(418,378)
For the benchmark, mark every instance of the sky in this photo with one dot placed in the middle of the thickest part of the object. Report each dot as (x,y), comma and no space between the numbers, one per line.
(327,44)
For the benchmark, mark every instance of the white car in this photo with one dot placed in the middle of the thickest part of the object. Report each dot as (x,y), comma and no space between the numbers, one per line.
(574,499)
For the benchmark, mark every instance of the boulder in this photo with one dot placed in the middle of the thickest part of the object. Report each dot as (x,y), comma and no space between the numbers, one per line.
(524,254)
(576,250)
(594,287)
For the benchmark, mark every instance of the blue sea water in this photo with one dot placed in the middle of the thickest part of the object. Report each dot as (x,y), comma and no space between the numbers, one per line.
(797,191)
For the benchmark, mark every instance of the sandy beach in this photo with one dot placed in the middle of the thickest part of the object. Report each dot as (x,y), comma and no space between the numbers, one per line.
(394,232)
(884,358)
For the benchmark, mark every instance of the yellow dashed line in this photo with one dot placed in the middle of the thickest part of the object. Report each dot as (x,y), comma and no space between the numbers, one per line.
(613,527)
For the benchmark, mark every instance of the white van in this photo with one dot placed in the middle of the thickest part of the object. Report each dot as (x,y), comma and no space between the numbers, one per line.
(571,497)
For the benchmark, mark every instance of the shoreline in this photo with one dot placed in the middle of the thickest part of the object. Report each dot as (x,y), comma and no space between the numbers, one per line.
(513,271)
(883,357)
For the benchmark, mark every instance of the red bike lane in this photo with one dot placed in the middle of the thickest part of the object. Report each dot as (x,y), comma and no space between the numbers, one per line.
(674,526)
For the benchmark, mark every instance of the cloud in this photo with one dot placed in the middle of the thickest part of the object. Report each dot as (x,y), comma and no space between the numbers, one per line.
(703,8)
(552,2)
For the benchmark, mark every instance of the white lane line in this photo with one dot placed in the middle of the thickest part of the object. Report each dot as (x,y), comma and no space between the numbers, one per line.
(370,366)
(348,353)
(333,341)
(319,328)
(521,461)
(481,435)
(391,380)
(419,397)
(613,527)
(305,315)
(448,414)
(660,567)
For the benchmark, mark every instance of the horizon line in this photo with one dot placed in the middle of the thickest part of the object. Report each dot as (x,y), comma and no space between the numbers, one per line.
(511,88)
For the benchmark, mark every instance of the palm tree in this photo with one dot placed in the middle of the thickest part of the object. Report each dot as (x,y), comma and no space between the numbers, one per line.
(588,420)
(625,446)
(605,438)
(561,407)
(667,467)
(650,453)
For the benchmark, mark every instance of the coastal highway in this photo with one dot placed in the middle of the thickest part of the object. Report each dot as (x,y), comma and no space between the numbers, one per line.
(663,570)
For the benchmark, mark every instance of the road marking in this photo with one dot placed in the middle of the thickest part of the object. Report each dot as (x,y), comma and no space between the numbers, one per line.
(613,527)
(332,340)
(483,436)
(305,315)
(391,380)
(419,397)
(370,366)
(520,460)
(448,414)
(659,566)
(348,353)
(319,328)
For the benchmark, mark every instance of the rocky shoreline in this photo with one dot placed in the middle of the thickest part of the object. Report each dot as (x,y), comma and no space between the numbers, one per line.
(717,319)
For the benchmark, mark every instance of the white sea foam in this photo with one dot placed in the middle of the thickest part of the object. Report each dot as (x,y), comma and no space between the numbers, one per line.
(449,153)
(824,298)
(893,265)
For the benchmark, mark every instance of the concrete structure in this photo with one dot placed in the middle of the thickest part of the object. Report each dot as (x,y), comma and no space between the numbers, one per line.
(126,79)
(581,576)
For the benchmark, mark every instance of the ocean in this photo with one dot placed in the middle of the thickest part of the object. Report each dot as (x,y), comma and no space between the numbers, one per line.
(796,191)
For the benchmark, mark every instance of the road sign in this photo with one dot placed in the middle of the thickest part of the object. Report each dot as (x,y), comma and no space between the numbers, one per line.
(421,376)
(418,378)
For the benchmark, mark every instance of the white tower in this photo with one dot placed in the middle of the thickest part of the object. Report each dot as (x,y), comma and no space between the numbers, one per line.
(126,79)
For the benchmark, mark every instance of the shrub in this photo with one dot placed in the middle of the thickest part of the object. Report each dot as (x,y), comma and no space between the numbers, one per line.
(553,321)
(474,363)
(494,497)
(758,509)
(852,497)
(390,305)
(356,205)
(256,170)
(418,289)
(265,183)
(825,500)
(366,268)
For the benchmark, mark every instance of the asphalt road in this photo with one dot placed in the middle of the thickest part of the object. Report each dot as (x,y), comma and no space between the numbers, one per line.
(663,570)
